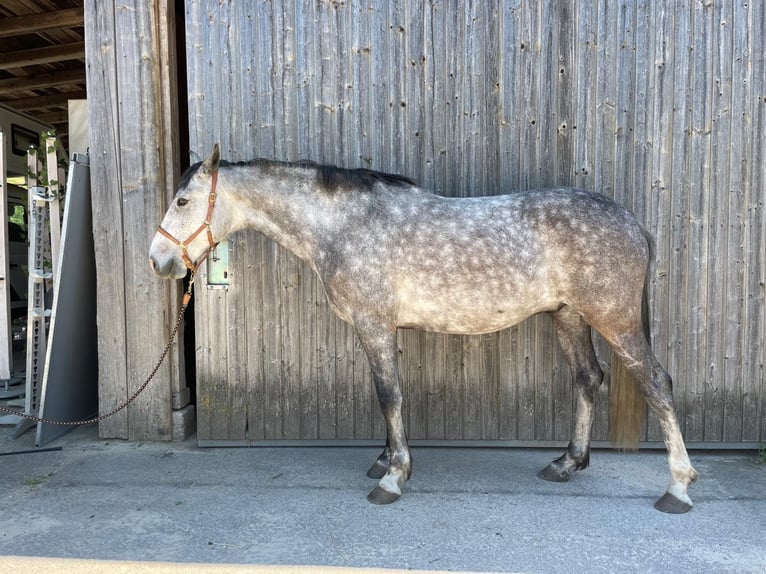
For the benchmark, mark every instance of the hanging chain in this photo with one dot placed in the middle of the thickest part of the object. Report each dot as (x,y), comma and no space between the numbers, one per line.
(186,299)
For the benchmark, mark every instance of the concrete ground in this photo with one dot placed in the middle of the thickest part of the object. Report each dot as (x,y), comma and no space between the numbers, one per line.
(464,509)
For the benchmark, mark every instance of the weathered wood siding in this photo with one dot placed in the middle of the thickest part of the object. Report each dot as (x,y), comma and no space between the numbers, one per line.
(134,167)
(661,105)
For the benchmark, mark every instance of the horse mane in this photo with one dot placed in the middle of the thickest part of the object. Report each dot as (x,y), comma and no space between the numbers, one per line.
(331,179)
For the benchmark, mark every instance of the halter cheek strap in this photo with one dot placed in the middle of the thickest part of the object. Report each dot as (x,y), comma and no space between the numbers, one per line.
(183,245)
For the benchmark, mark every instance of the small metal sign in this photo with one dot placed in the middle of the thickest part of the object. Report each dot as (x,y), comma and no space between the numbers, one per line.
(218,266)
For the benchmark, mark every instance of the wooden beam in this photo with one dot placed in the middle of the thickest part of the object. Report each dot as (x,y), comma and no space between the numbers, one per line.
(51,80)
(47,55)
(34,23)
(53,117)
(44,102)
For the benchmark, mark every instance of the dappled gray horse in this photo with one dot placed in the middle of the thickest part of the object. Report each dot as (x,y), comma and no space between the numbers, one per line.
(391,255)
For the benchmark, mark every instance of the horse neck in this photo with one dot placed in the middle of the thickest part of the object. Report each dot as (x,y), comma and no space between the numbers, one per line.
(283,209)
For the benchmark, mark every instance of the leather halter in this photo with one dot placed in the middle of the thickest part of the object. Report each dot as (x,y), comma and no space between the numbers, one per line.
(183,245)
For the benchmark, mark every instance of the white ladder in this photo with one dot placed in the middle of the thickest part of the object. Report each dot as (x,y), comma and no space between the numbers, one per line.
(44,241)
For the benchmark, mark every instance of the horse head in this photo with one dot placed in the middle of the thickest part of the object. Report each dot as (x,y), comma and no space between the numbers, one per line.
(192,225)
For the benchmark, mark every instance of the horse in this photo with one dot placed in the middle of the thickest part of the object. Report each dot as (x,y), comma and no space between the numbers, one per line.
(392,255)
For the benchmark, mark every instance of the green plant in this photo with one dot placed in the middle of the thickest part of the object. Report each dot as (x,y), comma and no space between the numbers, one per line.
(37,480)
(42,172)
(761,458)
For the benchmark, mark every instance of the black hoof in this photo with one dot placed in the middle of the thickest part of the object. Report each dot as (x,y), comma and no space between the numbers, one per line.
(672,505)
(377,470)
(380,495)
(552,474)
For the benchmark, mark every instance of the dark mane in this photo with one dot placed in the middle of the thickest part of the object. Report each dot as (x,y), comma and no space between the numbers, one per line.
(330,178)
(187,175)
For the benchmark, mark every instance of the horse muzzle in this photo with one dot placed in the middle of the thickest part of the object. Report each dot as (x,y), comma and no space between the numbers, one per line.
(166,264)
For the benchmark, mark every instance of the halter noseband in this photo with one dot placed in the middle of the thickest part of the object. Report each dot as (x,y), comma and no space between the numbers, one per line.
(183,245)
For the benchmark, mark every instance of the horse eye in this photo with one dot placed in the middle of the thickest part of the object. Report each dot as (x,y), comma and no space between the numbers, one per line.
(181,201)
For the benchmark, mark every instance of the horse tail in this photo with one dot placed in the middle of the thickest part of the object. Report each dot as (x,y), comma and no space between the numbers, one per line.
(627,406)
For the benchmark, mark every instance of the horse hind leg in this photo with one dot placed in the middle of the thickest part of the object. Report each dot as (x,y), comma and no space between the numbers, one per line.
(577,344)
(379,468)
(657,387)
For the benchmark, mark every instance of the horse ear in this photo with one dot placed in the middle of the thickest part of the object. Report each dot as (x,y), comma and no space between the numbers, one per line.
(194,157)
(211,163)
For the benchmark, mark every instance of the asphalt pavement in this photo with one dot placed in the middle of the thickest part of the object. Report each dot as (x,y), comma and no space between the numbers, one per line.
(465,509)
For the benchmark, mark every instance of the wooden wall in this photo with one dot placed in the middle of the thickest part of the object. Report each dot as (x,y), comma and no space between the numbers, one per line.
(661,105)
(134,167)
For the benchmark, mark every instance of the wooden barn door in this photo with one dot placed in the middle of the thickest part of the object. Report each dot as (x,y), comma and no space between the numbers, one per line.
(479,98)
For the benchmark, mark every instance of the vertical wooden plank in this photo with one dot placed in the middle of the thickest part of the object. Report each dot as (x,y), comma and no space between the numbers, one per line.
(228,308)
(214,396)
(141,177)
(472,183)
(150,415)
(235,371)
(489,111)
(587,62)
(507,402)
(296,422)
(529,64)
(754,407)
(606,92)
(563,75)
(297,88)
(425,97)
(460,418)
(418,374)
(545,345)
(398,149)
(354,141)
(643,108)
(740,164)
(661,185)
(329,111)
(679,191)
(624,104)
(378,105)
(170,150)
(253,285)
(358,397)
(206,387)
(432,139)
(508,160)
(272,339)
(107,214)
(718,208)
(547,382)
(642,141)
(698,199)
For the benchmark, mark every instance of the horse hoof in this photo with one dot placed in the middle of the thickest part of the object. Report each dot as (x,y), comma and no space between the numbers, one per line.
(551,474)
(377,470)
(380,495)
(672,505)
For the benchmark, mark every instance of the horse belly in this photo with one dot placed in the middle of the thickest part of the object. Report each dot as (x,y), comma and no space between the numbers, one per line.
(468,311)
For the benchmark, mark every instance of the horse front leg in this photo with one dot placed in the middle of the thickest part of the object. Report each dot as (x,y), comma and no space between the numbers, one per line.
(394,466)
